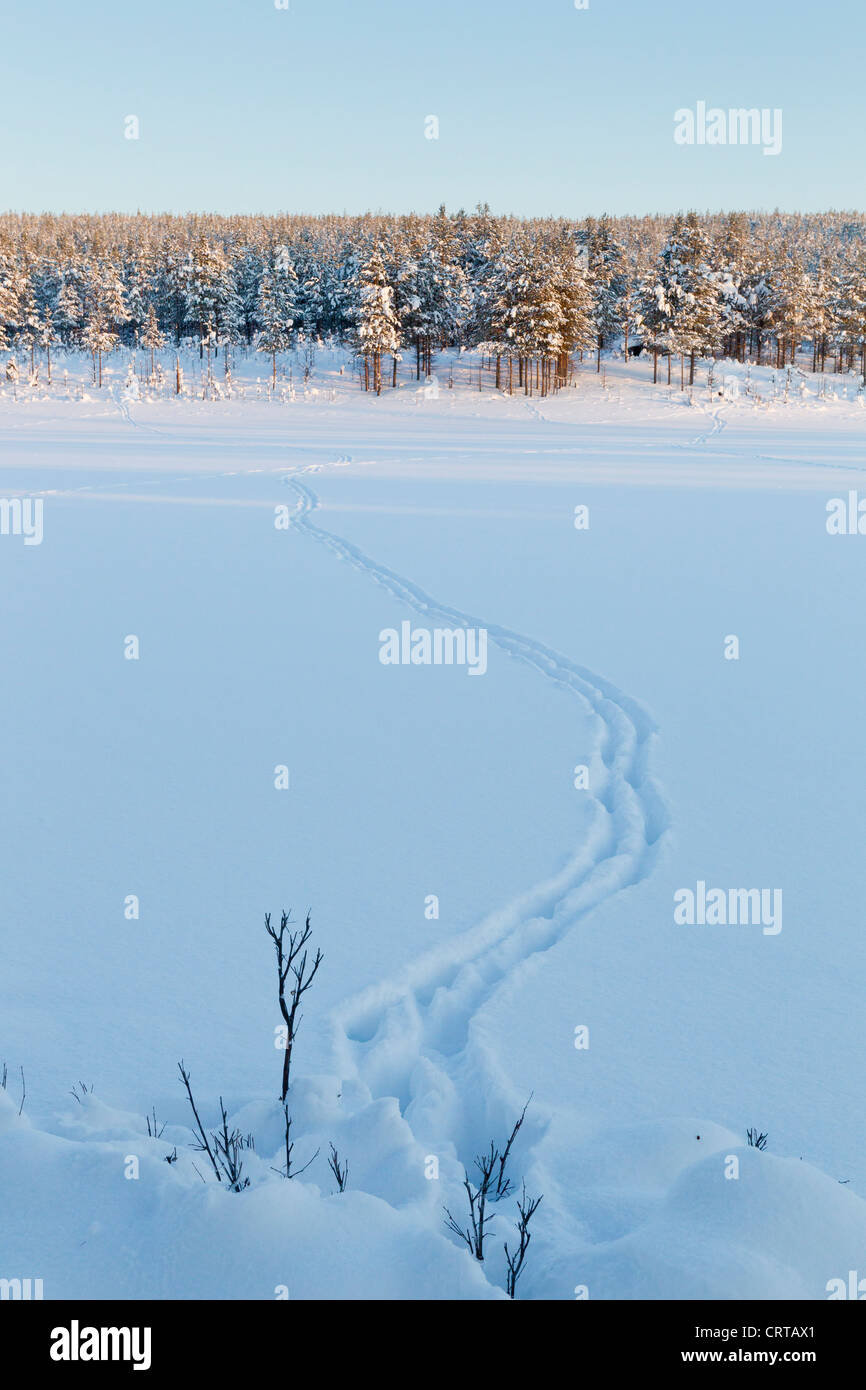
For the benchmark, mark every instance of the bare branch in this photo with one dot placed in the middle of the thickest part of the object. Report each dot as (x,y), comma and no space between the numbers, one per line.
(292,959)
(526,1208)
(503,1184)
(203,1144)
(288,1172)
(341,1172)
(492,1185)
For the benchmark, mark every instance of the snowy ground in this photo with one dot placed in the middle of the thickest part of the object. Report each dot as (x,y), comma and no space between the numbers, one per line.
(424,1037)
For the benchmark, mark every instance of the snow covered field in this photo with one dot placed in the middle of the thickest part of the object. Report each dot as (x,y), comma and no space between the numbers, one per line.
(424,1035)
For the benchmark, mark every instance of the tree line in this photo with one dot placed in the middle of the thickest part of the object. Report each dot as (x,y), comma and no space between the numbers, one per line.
(527,293)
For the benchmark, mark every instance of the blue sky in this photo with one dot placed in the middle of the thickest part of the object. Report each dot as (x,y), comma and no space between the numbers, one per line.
(542,108)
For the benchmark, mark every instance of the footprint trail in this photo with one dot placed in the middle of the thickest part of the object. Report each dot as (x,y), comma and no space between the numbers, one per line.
(412,1036)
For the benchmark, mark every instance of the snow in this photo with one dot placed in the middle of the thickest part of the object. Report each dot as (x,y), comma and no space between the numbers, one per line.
(425,1036)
